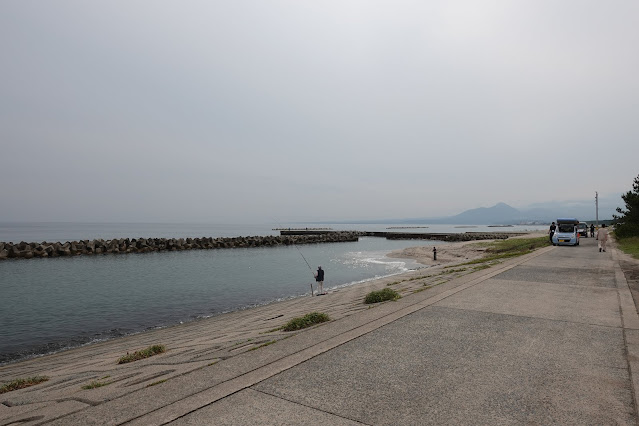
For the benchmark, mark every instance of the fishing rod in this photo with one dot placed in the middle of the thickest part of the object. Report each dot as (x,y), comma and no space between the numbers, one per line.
(301,254)
(309,267)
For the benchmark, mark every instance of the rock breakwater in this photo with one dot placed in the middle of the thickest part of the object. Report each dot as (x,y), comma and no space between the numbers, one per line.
(24,250)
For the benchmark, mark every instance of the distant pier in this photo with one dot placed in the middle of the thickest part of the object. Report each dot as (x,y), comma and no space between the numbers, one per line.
(406,227)
(307,231)
(438,236)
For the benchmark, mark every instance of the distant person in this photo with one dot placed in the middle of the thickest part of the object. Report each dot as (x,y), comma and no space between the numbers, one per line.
(319,277)
(551,231)
(602,237)
(592,230)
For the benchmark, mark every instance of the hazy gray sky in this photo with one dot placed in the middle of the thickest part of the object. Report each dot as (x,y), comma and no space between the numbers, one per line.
(236,111)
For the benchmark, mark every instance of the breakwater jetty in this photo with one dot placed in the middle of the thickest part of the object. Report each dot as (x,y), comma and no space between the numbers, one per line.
(24,250)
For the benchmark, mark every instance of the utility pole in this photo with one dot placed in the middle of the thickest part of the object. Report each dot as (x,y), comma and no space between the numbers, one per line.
(597,207)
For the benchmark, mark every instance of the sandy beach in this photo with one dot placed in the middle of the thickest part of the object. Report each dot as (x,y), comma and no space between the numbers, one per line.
(200,343)
(450,254)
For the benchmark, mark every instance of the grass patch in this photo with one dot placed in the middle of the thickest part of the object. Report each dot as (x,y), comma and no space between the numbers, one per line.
(156,383)
(393,283)
(480,267)
(144,353)
(95,384)
(450,271)
(22,383)
(483,244)
(512,247)
(629,245)
(518,245)
(306,321)
(381,296)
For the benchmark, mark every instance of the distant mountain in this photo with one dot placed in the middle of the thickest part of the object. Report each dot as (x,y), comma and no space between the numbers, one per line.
(503,214)
(500,213)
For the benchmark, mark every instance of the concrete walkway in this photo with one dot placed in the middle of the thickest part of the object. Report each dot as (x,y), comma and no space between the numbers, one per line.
(551,337)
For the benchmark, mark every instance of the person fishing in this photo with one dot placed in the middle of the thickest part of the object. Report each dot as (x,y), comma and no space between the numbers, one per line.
(309,268)
(319,274)
(319,277)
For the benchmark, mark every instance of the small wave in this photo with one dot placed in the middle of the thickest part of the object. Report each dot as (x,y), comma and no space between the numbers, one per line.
(361,259)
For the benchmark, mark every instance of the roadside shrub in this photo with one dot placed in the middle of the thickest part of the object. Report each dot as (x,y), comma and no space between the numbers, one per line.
(626,230)
(306,321)
(381,296)
(627,222)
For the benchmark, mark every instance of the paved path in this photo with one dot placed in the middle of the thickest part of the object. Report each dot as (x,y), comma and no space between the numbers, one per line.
(551,337)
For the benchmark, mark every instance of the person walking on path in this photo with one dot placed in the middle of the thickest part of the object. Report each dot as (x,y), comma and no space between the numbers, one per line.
(602,237)
(551,231)
(319,277)
(592,230)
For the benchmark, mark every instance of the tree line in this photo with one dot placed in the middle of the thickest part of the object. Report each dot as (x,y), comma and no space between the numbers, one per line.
(627,221)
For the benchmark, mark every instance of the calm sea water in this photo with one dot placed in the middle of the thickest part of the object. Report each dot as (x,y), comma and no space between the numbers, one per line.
(51,304)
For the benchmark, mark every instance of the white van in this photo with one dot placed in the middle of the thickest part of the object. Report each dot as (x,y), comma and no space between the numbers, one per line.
(582,228)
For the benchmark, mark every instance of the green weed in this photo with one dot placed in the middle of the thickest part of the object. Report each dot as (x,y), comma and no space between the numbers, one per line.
(95,384)
(381,296)
(480,267)
(22,383)
(306,321)
(144,353)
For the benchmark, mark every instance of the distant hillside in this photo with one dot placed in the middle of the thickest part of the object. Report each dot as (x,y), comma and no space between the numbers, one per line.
(502,214)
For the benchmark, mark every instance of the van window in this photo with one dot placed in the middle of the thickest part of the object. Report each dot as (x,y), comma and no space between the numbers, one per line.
(566,228)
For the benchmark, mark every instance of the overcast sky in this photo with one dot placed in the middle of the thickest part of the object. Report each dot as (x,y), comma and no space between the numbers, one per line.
(248,111)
